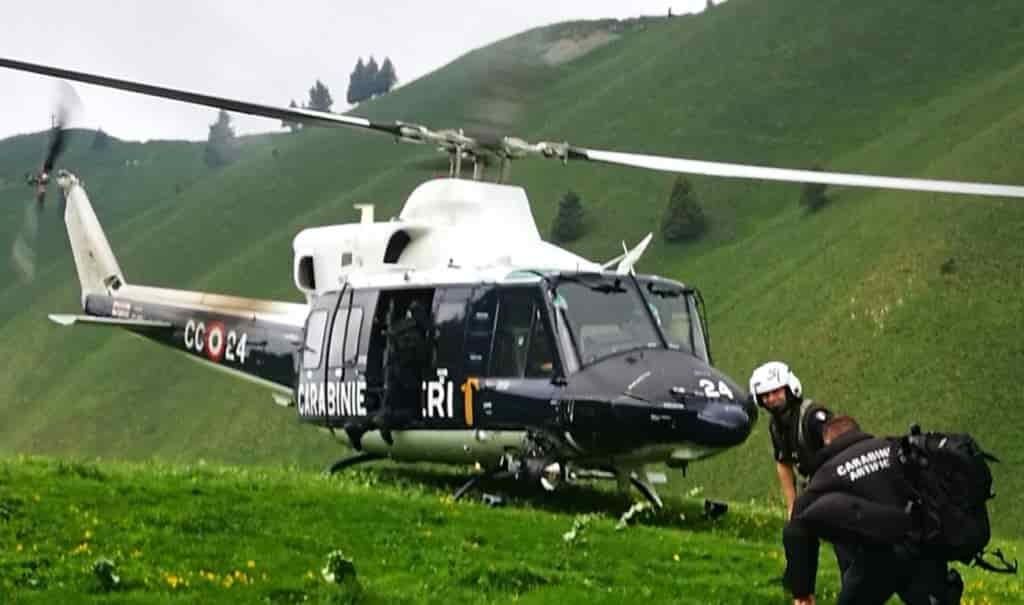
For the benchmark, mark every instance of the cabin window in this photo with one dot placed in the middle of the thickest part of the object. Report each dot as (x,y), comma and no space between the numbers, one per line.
(345,338)
(480,330)
(450,327)
(313,349)
(355,324)
(346,259)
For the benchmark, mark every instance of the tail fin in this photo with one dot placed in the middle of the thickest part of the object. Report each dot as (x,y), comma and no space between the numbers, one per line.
(98,271)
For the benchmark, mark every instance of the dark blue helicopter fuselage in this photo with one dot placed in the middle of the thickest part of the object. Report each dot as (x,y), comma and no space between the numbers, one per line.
(534,359)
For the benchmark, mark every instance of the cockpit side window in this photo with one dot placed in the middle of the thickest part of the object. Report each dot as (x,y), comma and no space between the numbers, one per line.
(522,344)
(540,361)
(512,333)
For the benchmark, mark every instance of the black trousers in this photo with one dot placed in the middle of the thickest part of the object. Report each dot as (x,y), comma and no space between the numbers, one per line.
(874,574)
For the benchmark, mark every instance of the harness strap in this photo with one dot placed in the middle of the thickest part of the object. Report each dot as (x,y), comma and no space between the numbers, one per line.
(804,406)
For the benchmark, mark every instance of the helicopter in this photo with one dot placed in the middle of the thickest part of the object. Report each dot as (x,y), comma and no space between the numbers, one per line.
(535,363)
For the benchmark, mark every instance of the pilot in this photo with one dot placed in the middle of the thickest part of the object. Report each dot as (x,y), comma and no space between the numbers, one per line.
(408,355)
(795,424)
(862,512)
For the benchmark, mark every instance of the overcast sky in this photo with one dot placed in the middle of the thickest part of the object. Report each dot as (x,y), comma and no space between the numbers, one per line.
(265,52)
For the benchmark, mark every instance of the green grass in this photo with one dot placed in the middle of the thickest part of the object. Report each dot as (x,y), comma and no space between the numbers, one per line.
(853,297)
(205,533)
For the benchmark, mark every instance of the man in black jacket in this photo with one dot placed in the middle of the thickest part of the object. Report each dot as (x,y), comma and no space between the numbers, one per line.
(858,498)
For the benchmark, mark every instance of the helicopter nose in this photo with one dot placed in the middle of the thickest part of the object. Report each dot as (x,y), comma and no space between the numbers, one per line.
(727,424)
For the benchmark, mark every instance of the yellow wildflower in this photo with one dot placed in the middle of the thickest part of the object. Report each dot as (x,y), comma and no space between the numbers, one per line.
(250,564)
(83,547)
(18,549)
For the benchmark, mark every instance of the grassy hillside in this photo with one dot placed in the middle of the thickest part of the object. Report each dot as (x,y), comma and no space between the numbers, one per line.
(214,534)
(855,297)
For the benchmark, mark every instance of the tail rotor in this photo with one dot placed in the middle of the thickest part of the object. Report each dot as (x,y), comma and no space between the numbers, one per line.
(23,250)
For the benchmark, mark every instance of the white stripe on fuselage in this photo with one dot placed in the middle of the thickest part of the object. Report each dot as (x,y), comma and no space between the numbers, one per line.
(293,314)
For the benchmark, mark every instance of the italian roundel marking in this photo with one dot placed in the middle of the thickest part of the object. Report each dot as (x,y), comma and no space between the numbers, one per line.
(215,340)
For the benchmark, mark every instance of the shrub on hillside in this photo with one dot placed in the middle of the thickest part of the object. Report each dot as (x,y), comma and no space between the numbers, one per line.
(684,218)
(101,141)
(813,196)
(106,574)
(221,146)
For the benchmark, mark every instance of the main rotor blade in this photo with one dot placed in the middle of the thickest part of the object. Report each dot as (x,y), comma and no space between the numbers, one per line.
(304,116)
(746,171)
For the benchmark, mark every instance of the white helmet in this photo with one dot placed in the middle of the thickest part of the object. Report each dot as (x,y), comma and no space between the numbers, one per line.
(774,375)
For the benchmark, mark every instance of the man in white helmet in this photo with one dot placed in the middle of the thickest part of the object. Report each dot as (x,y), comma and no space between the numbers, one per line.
(796,424)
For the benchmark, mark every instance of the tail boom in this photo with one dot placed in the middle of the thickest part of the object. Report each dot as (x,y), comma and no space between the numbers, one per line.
(250,338)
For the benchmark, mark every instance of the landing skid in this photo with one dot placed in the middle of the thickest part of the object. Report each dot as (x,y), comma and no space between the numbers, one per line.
(647,489)
(476,479)
(344,463)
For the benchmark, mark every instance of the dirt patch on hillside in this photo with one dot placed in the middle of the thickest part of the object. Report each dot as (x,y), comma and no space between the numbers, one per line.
(568,49)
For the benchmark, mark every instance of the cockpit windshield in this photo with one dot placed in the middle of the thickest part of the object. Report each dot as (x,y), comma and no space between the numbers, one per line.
(600,315)
(677,315)
(605,315)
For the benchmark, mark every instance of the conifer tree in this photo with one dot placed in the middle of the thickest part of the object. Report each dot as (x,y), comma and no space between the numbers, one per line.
(370,83)
(320,97)
(684,218)
(386,77)
(569,222)
(356,81)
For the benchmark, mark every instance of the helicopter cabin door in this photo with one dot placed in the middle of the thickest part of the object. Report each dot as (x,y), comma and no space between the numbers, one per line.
(311,388)
(445,398)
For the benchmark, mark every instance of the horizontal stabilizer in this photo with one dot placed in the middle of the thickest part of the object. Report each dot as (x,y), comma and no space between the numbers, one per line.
(69,320)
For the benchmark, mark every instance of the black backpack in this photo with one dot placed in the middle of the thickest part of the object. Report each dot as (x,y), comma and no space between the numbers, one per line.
(951,482)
